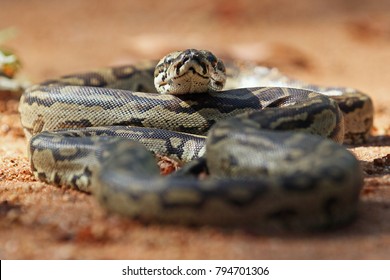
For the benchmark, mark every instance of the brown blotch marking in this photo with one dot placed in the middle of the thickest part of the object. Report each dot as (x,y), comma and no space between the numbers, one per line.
(38,124)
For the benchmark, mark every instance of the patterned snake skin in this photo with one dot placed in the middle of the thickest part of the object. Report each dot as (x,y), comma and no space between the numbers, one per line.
(261,141)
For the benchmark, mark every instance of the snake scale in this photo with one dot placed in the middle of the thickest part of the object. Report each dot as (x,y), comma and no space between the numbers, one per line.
(261,141)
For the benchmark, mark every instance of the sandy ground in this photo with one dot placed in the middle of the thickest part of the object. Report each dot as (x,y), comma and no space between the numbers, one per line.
(326,42)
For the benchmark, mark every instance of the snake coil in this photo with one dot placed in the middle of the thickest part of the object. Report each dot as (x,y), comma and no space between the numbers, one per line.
(264,148)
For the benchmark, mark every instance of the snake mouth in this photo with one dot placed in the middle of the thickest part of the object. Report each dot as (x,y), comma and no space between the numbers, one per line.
(210,81)
(192,71)
(218,84)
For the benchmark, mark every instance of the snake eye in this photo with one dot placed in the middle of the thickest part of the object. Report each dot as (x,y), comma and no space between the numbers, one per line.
(168,60)
(212,59)
(220,66)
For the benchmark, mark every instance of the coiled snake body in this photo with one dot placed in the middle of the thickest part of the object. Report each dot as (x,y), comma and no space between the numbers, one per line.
(267,160)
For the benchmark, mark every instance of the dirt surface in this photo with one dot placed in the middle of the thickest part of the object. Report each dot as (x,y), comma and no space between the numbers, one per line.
(342,43)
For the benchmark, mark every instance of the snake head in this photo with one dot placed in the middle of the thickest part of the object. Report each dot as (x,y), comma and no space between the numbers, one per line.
(189,71)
